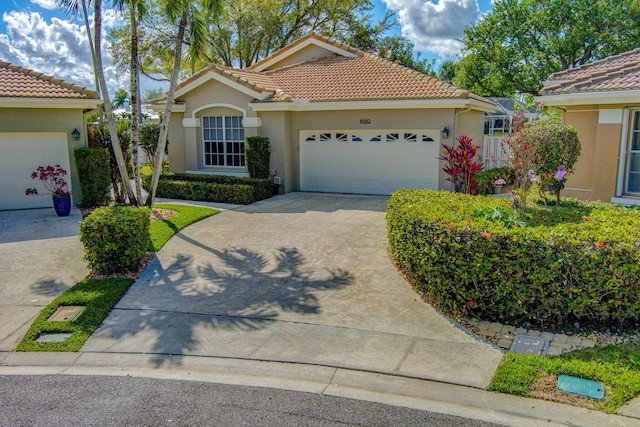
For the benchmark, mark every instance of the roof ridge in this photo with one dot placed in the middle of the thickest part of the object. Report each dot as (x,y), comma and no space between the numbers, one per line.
(82,90)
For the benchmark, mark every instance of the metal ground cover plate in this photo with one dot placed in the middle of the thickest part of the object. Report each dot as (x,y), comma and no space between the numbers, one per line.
(530,345)
(66,313)
(581,386)
(53,337)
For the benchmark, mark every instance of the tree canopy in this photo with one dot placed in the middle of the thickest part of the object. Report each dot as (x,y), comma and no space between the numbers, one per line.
(519,43)
(249,30)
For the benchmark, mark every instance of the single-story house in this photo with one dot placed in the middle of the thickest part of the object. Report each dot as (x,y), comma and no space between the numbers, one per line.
(41,122)
(338,119)
(602,101)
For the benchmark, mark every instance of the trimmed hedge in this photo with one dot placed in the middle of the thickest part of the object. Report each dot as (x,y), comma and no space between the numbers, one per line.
(115,238)
(212,188)
(579,262)
(258,153)
(94,174)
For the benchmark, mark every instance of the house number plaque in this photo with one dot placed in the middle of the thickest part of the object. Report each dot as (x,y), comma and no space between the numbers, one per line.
(365,121)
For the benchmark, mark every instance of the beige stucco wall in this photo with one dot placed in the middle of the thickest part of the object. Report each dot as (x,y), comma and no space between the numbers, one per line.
(595,173)
(305,54)
(49,120)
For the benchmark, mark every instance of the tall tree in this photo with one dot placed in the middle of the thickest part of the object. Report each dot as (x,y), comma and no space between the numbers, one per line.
(192,17)
(94,37)
(519,43)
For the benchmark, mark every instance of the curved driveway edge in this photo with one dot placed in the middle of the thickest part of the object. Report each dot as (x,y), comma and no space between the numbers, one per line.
(301,278)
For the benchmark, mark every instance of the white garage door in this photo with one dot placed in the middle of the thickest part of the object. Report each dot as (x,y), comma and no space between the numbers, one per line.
(20,155)
(371,162)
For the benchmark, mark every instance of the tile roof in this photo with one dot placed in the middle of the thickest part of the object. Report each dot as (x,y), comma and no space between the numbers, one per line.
(615,73)
(19,82)
(336,78)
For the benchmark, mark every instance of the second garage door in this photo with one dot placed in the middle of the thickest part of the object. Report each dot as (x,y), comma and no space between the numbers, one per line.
(371,162)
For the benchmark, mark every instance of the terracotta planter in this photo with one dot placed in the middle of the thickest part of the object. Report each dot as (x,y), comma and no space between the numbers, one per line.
(62,205)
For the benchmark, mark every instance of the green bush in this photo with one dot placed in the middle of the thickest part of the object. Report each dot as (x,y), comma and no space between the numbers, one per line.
(219,188)
(115,238)
(205,191)
(258,154)
(485,179)
(578,262)
(94,174)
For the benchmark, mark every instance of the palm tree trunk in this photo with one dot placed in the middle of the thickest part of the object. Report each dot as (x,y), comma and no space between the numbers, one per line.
(135,103)
(111,123)
(166,117)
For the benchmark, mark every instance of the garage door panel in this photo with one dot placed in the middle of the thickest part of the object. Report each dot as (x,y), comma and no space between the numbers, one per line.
(20,155)
(369,162)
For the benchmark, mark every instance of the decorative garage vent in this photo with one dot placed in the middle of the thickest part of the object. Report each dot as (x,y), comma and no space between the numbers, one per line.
(391,137)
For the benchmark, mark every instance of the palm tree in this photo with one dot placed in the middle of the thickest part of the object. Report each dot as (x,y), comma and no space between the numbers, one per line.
(137,10)
(120,99)
(192,16)
(95,44)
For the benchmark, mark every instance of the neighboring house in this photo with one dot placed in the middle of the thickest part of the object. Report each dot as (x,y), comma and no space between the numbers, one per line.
(602,101)
(38,117)
(339,120)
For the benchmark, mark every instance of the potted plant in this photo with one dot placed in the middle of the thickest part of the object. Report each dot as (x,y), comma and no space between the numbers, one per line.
(53,179)
(497,185)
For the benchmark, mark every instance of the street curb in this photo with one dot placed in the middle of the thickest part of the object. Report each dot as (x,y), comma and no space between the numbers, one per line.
(331,381)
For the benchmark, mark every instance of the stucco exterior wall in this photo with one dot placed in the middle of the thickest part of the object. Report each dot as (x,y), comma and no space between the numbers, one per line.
(595,173)
(49,120)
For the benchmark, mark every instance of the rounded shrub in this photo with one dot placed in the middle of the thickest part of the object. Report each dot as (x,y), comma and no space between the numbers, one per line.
(115,238)
(578,262)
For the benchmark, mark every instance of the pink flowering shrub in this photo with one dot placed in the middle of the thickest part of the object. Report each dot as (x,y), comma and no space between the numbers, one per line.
(53,179)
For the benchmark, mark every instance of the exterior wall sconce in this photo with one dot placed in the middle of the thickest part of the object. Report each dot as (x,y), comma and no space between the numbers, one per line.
(445,133)
(75,134)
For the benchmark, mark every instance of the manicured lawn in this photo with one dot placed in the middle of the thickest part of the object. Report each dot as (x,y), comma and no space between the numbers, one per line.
(615,366)
(99,296)
(162,231)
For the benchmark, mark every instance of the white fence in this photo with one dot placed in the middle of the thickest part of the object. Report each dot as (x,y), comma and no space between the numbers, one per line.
(494,154)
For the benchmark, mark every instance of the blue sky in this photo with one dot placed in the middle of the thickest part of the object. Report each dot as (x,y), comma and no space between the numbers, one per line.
(38,35)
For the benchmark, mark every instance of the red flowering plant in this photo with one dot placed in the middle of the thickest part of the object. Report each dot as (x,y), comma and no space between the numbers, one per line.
(52,177)
(461,165)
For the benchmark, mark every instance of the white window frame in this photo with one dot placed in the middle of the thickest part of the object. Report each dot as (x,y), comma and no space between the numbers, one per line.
(225,141)
(634,121)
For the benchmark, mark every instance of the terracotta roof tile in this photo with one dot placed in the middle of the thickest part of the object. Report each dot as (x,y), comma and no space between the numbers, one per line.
(19,82)
(618,72)
(335,78)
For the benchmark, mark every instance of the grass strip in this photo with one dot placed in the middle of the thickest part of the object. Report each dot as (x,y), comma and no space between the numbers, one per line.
(99,296)
(162,231)
(617,367)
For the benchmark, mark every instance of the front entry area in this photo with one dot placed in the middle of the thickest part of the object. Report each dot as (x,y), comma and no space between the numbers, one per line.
(369,162)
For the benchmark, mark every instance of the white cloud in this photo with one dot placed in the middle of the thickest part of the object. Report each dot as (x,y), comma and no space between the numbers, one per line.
(59,48)
(434,26)
(46,4)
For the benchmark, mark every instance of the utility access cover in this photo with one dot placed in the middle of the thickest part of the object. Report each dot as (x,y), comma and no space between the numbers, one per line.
(530,345)
(66,313)
(53,337)
(581,386)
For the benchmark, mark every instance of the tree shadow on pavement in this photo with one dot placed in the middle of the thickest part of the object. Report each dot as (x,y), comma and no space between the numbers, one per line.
(234,290)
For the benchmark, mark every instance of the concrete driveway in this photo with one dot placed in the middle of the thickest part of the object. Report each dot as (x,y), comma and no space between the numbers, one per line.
(299,278)
(40,257)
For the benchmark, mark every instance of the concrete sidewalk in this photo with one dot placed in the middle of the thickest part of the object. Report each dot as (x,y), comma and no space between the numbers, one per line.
(301,278)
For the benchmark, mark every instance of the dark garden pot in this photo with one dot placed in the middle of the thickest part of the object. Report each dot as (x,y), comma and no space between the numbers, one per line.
(62,205)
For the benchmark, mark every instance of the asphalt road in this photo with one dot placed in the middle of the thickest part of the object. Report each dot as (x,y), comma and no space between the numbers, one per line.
(99,400)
